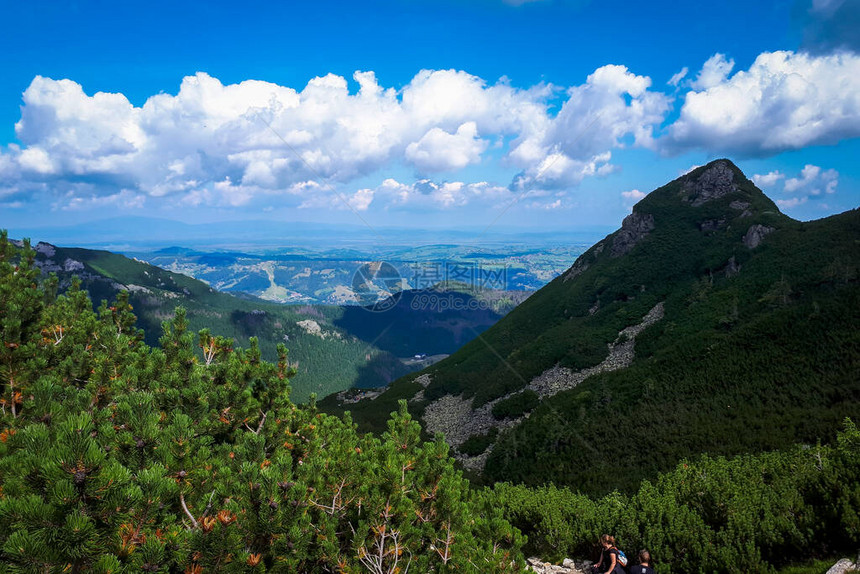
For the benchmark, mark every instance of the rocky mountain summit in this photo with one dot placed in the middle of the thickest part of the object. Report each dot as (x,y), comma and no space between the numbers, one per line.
(715,182)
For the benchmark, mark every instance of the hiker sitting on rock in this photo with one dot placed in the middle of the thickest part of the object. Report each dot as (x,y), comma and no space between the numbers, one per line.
(608,563)
(644,566)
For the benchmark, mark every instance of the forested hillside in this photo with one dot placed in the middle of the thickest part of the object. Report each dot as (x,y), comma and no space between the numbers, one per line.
(117,457)
(709,323)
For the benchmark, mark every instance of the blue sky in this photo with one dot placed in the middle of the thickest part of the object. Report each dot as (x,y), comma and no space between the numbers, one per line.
(545,114)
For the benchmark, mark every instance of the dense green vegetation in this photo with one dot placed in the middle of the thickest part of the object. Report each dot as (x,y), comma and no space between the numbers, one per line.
(478,443)
(189,457)
(747,514)
(758,349)
(119,457)
(370,416)
(556,325)
(155,293)
(516,405)
(729,370)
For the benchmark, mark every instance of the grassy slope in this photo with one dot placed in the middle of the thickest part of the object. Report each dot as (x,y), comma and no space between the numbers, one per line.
(754,361)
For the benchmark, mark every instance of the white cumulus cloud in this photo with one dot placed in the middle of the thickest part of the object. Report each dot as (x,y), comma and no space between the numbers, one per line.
(361,199)
(677,77)
(427,193)
(784,101)
(791,203)
(227,145)
(438,150)
(812,183)
(713,73)
(633,194)
(769,179)
(614,108)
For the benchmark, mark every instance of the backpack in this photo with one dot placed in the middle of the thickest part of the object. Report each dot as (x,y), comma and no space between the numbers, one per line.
(622,558)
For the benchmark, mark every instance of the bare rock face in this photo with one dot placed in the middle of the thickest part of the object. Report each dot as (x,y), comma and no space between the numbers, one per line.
(843,567)
(755,234)
(715,182)
(579,267)
(742,206)
(45,249)
(454,417)
(731,268)
(634,227)
(72,265)
(567,567)
(621,354)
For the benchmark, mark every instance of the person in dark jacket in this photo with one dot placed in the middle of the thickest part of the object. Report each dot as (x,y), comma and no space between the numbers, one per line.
(608,563)
(644,566)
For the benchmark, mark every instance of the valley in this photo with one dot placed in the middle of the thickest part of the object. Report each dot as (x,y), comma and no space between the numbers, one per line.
(332,348)
(327,276)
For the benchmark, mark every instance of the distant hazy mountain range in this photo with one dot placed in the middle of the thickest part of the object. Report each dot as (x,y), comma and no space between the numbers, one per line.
(709,322)
(130,233)
(314,263)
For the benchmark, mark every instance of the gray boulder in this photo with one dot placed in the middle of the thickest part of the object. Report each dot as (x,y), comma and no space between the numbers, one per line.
(755,234)
(843,566)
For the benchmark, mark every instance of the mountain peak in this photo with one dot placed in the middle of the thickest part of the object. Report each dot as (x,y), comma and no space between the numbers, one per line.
(715,203)
(709,182)
(718,190)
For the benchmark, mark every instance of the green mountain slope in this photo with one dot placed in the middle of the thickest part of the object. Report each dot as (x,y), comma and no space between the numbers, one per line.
(347,346)
(119,457)
(751,343)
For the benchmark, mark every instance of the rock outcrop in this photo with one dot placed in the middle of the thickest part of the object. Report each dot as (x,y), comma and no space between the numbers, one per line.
(742,206)
(557,379)
(715,182)
(755,234)
(578,268)
(731,268)
(843,567)
(634,227)
(45,249)
(568,566)
(710,225)
(582,263)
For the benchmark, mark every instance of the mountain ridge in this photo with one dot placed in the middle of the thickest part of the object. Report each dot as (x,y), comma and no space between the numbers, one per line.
(745,290)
